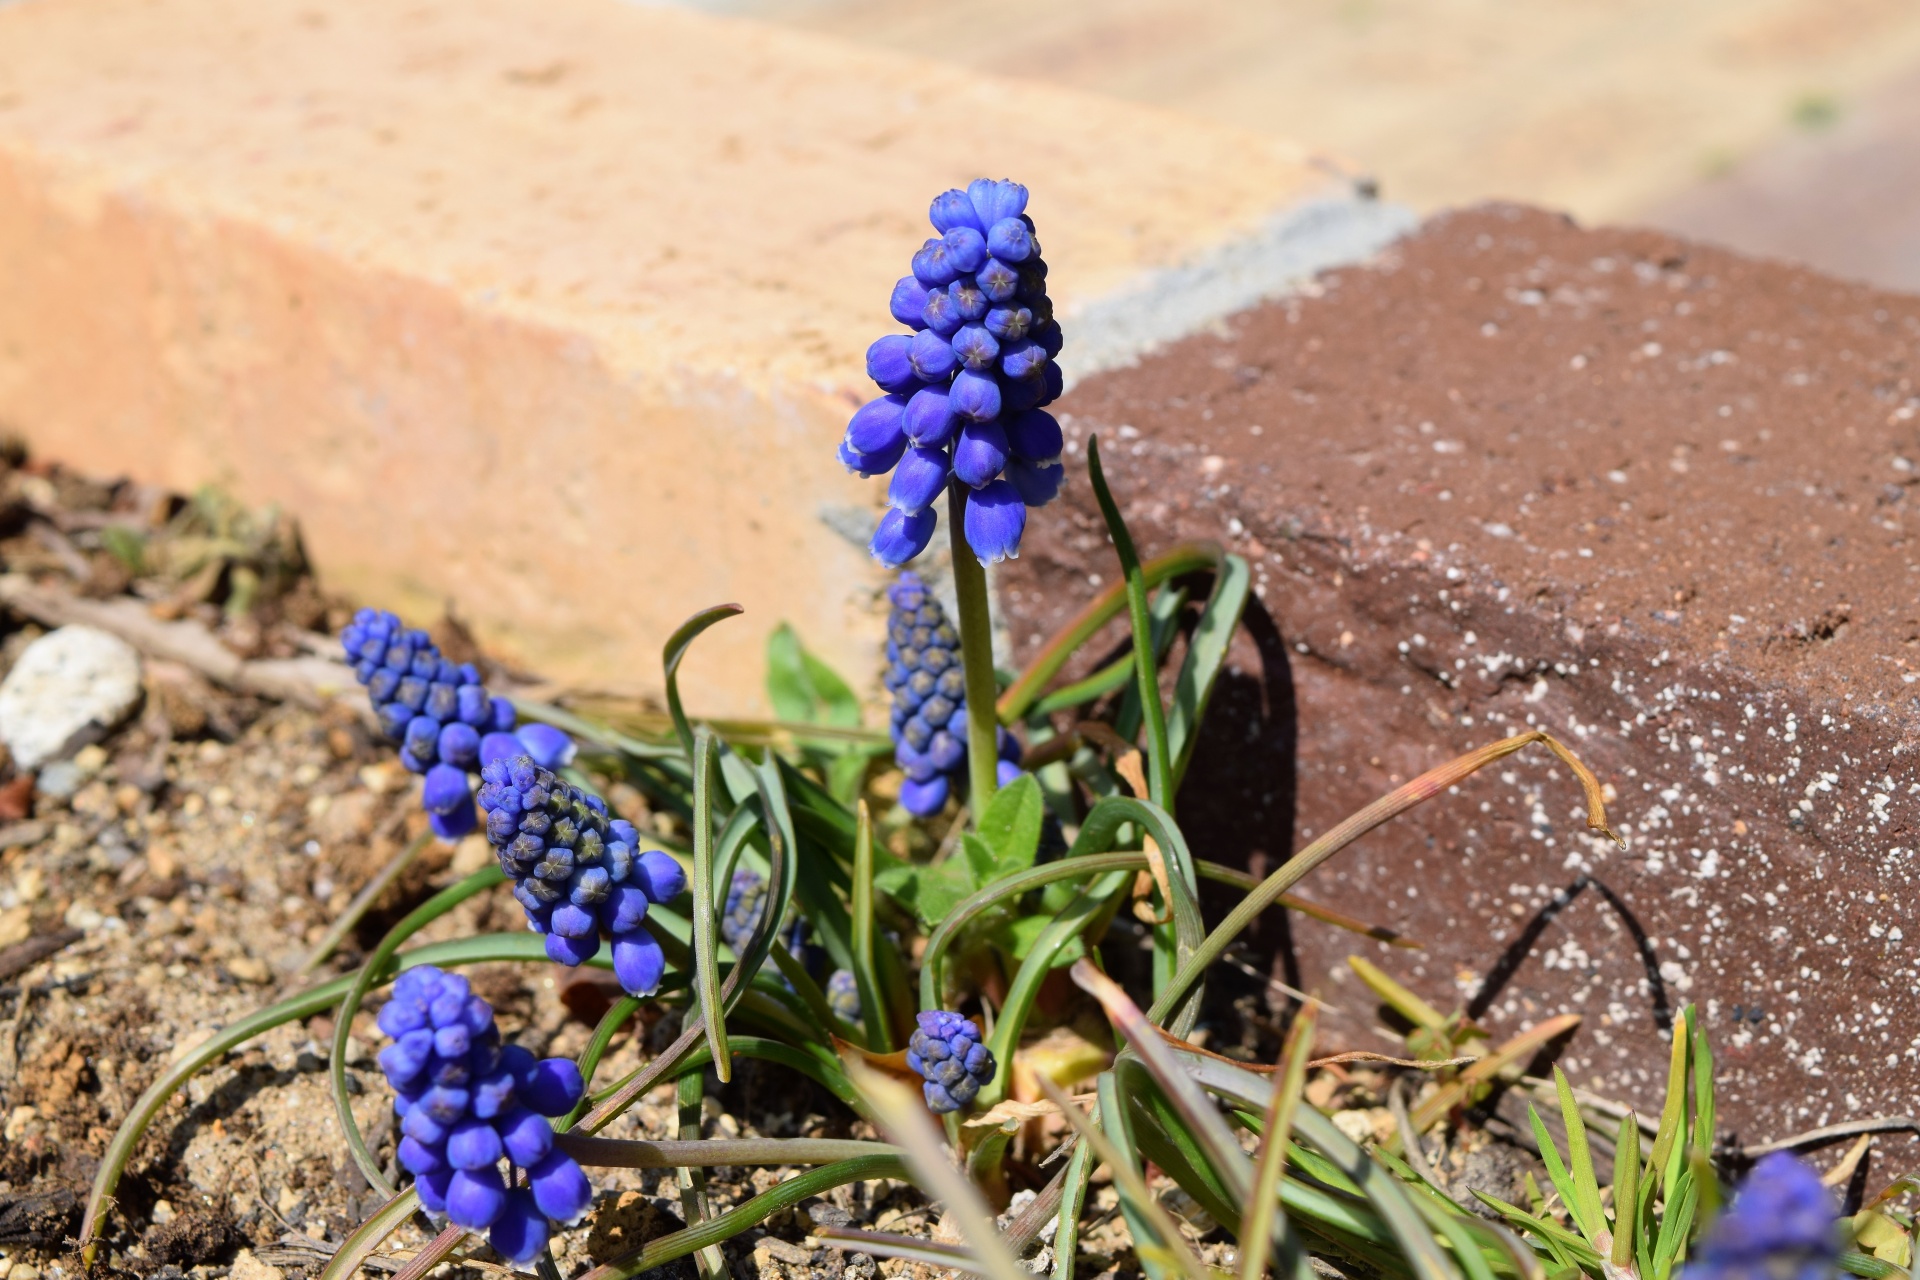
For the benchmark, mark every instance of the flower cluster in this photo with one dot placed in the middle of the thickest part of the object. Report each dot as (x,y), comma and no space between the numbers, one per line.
(466,1103)
(1779,1227)
(964,392)
(441,715)
(929,690)
(946,1049)
(577,872)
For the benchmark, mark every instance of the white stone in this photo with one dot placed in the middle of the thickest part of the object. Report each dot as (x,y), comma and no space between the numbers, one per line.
(66,681)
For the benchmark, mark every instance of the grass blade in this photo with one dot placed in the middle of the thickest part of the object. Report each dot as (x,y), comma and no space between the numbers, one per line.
(1626,1190)
(1264,1230)
(675,651)
(1429,784)
(1206,657)
(887,1244)
(904,1118)
(1073,1198)
(1586,1183)
(1398,998)
(1159,762)
(874,1018)
(706,908)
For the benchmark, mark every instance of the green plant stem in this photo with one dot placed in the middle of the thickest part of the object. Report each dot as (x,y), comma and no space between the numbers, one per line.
(365,1238)
(1187,557)
(873,1008)
(363,902)
(376,970)
(620,1153)
(705,966)
(976,657)
(1159,759)
(617,1016)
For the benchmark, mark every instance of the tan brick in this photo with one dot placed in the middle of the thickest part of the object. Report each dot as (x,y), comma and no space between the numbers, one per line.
(555,308)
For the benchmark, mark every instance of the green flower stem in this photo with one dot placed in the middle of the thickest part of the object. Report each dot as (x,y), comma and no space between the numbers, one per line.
(363,902)
(359,1246)
(1187,557)
(755,1211)
(873,1008)
(377,969)
(976,657)
(616,1016)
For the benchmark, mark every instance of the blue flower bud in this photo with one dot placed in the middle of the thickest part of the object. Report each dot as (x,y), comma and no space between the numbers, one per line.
(1010,240)
(932,356)
(1049,337)
(966,249)
(1009,323)
(1037,483)
(969,300)
(572,952)
(900,536)
(549,747)
(1006,773)
(1022,359)
(475,1198)
(1035,435)
(976,348)
(908,301)
(994,521)
(975,396)
(876,427)
(498,746)
(422,738)
(981,452)
(433,1189)
(446,789)
(993,201)
(952,209)
(890,365)
(560,1189)
(473,1144)
(941,314)
(503,716)
(946,1050)
(552,1087)
(638,961)
(520,1231)
(998,280)
(1053,382)
(870,464)
(924,799)
(918,480)
(459,745)
(416,1157)
(525,1136)
(933,265)
(929,419)
(661,876)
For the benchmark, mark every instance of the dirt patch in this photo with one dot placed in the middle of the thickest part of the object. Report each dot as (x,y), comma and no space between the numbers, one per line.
(1650,496)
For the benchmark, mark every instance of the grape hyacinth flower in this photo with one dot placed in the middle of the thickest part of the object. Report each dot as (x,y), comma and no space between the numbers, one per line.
(465,1103)
(577,872)
(843,994)
(946,1049)
(1779,1227)
(964,395)
(446,723)
(925,677)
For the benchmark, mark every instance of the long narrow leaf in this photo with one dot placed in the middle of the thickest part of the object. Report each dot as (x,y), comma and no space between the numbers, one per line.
(1586,1182)
(873,1008)
(1264,1230)
(1206,657)
(1626,1190)
(706,907)
(1429,784)
(1073,1198)
(675,651)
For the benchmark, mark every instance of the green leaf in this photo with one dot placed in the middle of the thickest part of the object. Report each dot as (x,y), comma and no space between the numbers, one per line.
(838,703)
(980,860)
(1206,655)
(929,892)
(1018,937)
(1556,1168)
(1010,828)
(1586,1184)
(804,689)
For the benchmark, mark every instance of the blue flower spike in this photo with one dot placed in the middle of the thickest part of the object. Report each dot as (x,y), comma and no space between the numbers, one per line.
(445,721)
(1781,1226)
(946,1050)
(929,690)
(577,873)
(843,994)
(465,1103)
(964,393)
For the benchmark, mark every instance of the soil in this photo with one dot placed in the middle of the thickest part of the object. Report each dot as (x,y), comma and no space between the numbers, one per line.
(1649,496)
